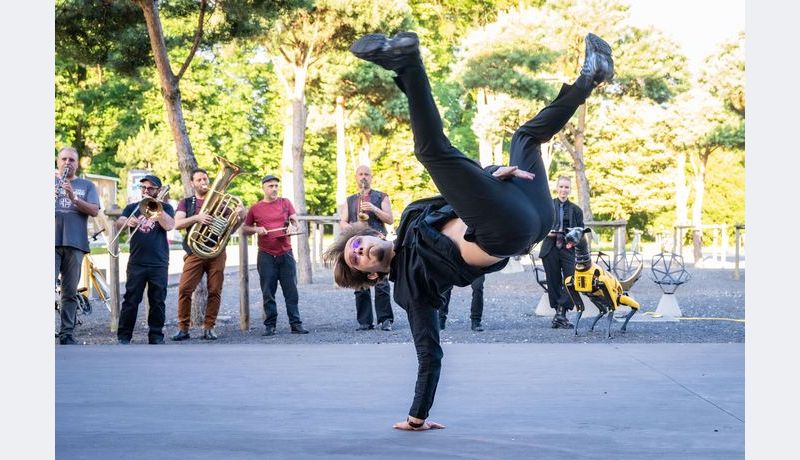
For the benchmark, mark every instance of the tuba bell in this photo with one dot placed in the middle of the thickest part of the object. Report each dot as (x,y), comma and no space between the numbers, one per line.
(208,241)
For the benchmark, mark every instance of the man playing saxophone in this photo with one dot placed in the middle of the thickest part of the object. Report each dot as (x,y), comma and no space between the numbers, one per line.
(373,208)
(76,200)
(148,264)
(189,213)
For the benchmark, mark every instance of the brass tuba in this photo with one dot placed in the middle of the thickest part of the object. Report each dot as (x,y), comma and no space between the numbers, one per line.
(208,241)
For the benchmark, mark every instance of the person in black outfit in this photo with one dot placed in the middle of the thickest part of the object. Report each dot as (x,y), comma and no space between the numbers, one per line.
(148,265)
(483,216)
(476,307)
(374,206)
(557,258)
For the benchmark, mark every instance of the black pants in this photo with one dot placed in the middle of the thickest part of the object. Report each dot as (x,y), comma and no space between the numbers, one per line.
(558,264)
(138,276)
(505,217)
(476,307)
(274,269)
(383,304)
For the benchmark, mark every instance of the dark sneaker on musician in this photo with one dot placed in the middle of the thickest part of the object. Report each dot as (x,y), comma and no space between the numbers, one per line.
(181,335)
(298,329)
(598,65)
(67,340)
(208,334)
(390,53)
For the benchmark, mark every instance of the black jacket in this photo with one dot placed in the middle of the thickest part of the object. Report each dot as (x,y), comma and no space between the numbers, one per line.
(574,217)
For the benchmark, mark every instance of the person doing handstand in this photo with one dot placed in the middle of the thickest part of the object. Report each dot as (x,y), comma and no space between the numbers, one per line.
(483,216)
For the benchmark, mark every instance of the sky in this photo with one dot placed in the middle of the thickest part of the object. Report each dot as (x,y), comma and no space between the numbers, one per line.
(698,25)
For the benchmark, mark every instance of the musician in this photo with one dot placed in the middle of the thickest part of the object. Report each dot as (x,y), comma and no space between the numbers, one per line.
(373,207)
(76,200)
(273,219)
(187,215)
(148,264)
(484,216)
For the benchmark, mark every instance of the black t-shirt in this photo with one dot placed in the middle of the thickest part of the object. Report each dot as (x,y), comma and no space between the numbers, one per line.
(149,246)
(427,263)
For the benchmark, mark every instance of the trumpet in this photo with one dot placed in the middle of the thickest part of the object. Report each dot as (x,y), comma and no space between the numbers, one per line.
(150,208)
(362,216)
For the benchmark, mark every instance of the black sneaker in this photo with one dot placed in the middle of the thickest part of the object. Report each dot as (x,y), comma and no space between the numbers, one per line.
(476,325)
(269,331)
(598,65)
(365,327)
(156,341)
(390,53)
(181,335)
(124,341)
(298,330)
(67,340)
(208,334)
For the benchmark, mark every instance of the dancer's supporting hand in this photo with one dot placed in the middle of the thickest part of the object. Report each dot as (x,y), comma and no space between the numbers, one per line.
(426,425)
(507,172)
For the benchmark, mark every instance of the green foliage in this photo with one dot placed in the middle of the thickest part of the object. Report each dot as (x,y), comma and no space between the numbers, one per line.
(109,104)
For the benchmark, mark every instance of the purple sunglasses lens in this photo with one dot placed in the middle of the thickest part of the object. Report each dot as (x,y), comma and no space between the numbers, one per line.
(356,243)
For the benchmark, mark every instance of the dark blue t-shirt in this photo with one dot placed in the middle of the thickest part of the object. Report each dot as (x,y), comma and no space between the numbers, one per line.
(149,246)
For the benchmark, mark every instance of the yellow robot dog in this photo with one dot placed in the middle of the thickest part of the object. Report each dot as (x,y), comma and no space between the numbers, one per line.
(593,281)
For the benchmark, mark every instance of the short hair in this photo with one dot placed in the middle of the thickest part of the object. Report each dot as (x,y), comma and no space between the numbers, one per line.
(197,170)
(343,275)
(70,149)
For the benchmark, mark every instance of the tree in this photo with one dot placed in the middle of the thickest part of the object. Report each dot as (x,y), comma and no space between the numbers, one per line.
(708,118)
(100,32)
(302,39)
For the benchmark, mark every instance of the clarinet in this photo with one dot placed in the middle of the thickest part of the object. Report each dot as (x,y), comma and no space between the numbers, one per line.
(60,188)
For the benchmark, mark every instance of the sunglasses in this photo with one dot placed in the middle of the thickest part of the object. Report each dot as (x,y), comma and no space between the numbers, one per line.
(148,189)
(355,244)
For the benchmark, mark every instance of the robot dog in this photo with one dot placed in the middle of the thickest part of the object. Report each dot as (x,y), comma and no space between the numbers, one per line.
(596,283)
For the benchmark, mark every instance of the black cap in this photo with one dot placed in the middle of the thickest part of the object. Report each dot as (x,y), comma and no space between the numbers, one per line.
(155,180)
(269,177)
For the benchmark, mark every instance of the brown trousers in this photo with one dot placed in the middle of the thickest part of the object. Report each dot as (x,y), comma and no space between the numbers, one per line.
(193,269)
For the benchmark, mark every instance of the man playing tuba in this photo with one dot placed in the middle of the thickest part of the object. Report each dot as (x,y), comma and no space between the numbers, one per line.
(190,212)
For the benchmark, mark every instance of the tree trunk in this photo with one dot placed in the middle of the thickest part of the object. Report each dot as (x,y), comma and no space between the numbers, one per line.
(299,115)
(581,182)
(170,92)
(341,156)
(681,191)
(697,207)
(199,302)
(287,168)
(484,144)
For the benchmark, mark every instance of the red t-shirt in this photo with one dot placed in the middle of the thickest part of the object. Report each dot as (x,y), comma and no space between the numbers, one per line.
(271,215)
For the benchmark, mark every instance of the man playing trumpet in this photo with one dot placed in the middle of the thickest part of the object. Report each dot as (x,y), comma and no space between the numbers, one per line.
(373,208)
(148,264)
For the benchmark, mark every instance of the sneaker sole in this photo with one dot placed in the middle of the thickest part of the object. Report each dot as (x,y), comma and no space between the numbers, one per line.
(371,45)
(599,45)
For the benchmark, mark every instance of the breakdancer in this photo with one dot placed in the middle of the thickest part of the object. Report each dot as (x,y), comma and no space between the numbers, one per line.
(483,216)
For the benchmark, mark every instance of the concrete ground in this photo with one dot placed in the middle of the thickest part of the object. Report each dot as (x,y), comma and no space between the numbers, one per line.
(522,400)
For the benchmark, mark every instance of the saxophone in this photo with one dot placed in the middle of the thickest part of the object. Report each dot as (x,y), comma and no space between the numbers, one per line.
(208,241)
(362,196)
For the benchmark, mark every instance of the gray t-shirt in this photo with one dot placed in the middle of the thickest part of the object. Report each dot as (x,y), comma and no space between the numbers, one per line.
(71,224)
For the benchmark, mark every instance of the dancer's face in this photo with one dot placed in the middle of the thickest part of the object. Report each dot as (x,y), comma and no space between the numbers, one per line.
(368,254)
